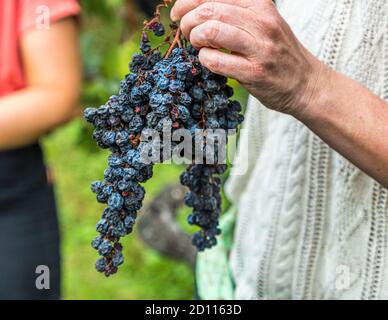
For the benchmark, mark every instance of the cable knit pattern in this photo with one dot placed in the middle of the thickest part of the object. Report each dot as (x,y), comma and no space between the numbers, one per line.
(310,225)
(372,276)
(292,215)
(278,198)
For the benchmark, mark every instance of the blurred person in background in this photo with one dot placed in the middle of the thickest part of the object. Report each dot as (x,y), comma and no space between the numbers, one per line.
(40,81)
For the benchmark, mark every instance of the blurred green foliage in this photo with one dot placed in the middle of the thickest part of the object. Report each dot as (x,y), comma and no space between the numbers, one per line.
(107,45)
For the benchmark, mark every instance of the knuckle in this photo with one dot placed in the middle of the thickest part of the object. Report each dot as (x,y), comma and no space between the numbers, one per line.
(209,61)
(257,71)
(271,49)
(206,10)
(270,22)
(214,65)
(211,30)
(270,26)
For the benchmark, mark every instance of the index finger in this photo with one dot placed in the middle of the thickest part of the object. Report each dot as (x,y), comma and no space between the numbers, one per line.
(181,7)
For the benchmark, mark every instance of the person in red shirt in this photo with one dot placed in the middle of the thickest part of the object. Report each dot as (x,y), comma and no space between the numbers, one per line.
(40,81)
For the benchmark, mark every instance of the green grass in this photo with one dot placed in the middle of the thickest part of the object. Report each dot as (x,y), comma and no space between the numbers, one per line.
(145,274)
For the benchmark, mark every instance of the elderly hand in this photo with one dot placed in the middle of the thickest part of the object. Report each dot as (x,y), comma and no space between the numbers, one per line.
(263,53)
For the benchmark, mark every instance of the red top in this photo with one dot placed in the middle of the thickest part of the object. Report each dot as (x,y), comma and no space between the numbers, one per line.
(16,16)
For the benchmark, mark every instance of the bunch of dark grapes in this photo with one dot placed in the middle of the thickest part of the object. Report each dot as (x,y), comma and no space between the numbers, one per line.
(171,91)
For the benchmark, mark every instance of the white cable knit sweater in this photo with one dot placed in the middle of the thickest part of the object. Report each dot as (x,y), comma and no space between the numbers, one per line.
(310,224)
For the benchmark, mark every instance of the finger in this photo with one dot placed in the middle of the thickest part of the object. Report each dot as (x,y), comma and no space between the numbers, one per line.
(229,65)
(226,13)
(182,7)
(219,35)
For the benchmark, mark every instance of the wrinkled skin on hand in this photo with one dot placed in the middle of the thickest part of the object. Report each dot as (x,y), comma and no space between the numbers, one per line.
(261,51)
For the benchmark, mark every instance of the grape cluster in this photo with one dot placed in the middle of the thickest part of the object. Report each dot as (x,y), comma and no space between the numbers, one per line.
(162,92)
(117,128)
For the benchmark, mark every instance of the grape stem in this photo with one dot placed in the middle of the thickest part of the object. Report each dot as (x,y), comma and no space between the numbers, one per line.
(176,41)
(165,4)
